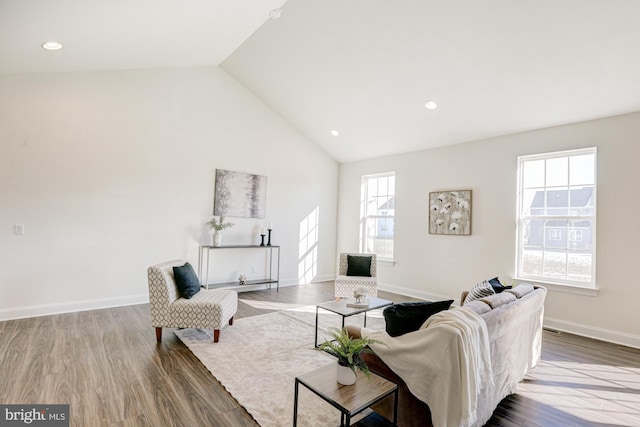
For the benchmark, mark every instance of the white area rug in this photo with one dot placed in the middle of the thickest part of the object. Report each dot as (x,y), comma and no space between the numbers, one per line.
(258,358)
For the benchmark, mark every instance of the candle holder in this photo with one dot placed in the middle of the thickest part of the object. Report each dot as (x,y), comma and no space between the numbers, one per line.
(262,238)
(269,238)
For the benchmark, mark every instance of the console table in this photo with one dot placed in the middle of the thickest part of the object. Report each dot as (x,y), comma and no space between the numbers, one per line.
(273,273)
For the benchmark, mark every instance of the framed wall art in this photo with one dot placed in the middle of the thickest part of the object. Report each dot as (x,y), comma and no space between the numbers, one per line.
(450,212)
(240,195)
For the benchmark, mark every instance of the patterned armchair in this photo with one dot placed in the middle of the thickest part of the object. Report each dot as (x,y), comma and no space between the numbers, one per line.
(345,285)
(208,309)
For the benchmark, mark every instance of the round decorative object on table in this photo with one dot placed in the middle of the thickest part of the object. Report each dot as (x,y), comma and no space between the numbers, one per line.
(346,376)
(217,238)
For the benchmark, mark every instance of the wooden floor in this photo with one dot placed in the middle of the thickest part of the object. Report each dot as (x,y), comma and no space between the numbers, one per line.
(108,367)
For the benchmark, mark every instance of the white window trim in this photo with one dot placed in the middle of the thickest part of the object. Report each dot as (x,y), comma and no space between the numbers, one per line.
(363,216)
(561,287)
(564,285)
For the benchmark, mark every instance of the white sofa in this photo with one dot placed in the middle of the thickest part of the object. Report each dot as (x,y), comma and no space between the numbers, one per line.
(513,330)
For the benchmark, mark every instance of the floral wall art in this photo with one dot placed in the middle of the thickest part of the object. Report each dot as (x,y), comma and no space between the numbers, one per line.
(450,212)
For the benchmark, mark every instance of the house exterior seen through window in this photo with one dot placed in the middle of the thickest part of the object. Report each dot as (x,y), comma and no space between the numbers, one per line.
(557,217)
(377,210)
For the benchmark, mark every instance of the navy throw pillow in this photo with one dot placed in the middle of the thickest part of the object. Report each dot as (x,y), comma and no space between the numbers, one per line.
(187,280)
(358,265)
(409,316)
(497,286)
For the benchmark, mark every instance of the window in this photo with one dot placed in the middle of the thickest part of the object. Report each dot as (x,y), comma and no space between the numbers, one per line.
(575,235)
(555,234)
(557,218)
(377,207)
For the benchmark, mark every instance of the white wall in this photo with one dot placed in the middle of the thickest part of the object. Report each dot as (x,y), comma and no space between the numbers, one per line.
(111,172)
(433,266)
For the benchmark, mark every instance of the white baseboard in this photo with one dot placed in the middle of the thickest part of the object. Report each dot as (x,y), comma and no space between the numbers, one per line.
(69,307)
(594,332)
(96,304)
(323,278)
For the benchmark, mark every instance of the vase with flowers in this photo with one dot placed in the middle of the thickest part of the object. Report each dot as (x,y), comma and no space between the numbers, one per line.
(217,226)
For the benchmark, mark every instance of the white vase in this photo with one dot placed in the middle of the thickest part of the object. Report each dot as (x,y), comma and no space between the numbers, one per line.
(217,238)
(345,375)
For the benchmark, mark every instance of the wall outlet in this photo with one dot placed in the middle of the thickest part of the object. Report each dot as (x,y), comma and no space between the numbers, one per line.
(18,229)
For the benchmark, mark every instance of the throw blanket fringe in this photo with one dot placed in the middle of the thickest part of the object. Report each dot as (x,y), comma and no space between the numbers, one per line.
(446,364)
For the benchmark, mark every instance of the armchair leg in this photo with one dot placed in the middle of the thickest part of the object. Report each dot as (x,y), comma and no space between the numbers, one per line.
(231,321)
(159,334)
(216,335)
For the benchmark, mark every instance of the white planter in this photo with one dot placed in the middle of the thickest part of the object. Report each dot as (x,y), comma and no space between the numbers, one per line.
(217,238)
(346,376)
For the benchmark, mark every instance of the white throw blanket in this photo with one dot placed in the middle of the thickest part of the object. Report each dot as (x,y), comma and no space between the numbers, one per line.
(446,364)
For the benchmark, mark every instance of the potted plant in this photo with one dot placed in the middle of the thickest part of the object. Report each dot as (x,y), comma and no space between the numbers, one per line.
(347,350)
(217,226)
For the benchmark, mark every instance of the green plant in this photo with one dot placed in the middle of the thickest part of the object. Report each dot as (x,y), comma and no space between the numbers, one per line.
(218,225)
(348,349)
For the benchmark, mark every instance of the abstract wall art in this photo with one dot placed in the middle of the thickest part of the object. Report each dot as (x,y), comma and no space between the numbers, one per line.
(240,195)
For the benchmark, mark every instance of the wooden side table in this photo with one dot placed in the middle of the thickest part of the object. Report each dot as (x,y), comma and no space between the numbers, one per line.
(348,399)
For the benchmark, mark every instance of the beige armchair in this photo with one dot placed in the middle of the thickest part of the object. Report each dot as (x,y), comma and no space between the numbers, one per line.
(346,285)
(208,309)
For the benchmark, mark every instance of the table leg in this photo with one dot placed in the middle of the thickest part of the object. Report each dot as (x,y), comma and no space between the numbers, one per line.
(295,405)
(206,276)
(395,408)
(365,319)
(316,337)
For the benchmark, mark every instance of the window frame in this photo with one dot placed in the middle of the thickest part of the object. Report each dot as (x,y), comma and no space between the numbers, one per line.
(364,215)
(522,218)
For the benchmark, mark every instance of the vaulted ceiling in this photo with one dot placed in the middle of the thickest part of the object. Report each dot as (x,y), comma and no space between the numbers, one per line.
(364,68)
(124,34)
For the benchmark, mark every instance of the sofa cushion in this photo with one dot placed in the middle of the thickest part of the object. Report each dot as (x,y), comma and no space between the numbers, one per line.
(186,280)
(358,265)
(481,290)
(497,286)
(496,300)
(521,290)
(478,307)
(407,317)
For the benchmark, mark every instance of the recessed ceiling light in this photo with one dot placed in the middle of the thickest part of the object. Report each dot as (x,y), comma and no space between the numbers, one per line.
(51,46)
(431,105)
(335,132)
(275,14)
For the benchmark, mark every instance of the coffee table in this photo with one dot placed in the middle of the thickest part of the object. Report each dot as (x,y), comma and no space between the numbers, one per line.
(340,307)
(348,399)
